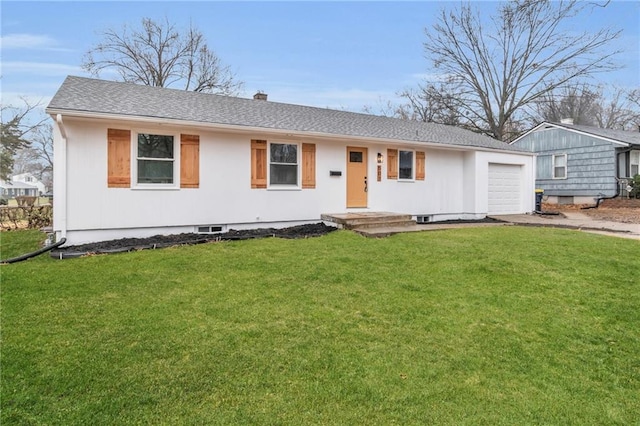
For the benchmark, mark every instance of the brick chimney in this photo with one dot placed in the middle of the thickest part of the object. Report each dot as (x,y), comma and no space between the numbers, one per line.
(260,96)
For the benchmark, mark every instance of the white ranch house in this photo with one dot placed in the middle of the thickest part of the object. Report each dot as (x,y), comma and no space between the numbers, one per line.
(136,161)
(12,189)
(30,179)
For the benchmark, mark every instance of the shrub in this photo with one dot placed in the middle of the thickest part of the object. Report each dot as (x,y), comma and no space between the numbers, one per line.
(30,217)
(635,186)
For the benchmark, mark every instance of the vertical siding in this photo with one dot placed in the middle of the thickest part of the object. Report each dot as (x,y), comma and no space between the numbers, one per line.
(591,162)
(543,167)
(455,185)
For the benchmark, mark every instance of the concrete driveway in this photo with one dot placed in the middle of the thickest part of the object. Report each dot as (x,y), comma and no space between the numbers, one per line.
(575,220)
(569,220)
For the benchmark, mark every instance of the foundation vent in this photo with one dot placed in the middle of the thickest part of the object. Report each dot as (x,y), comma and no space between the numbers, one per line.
(423,219)
(209,229)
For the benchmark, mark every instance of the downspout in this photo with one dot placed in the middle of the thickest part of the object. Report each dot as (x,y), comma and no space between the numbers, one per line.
(600,199)
(62,156)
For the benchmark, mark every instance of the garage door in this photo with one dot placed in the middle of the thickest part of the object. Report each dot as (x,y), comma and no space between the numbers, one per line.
(505,183)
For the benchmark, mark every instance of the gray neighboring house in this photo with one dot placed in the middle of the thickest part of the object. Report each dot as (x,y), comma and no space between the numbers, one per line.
(577,164)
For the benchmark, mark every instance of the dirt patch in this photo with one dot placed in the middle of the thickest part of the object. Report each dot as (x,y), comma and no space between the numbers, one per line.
(624,215)
(613,214)
(162,241)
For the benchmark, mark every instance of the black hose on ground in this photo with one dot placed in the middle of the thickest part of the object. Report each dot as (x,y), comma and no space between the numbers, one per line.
(601,199)
(35,253)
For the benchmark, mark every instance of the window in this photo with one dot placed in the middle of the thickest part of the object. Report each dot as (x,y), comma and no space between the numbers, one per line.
(400,164)
(355,157)
(560,166)
(156,161)
(405,166)
(634,163)
(155,158)
(283,164)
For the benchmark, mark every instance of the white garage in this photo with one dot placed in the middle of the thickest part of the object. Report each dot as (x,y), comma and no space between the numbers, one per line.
(505,188)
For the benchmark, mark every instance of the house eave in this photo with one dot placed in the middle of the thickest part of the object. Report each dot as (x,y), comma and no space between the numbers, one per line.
(161,121)
(546,124)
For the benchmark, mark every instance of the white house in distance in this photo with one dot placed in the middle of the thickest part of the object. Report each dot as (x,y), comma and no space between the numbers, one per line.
(136,161)
(30,179)
(12,189)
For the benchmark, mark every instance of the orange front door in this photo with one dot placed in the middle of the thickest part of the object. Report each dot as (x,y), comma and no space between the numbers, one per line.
(357,177)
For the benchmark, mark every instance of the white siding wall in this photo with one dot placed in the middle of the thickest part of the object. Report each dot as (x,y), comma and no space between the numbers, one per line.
(455,187)
(439,193)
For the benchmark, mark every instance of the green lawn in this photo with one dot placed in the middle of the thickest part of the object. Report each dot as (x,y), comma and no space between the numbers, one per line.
(501,325)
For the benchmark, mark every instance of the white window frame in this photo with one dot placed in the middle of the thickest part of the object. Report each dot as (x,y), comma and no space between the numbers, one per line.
(553,166)
(634,162)
(278,186)
(176,160)
(413,165)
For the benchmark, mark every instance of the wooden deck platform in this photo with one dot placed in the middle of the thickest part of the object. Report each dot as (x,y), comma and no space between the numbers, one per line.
(369,220)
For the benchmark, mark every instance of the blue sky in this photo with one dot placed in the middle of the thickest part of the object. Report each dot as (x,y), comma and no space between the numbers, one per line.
(326,54)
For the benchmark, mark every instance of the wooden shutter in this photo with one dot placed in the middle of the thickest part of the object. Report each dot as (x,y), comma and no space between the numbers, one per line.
(189,161)
(118,158)
(258,164)
(392,164)
(420,165)
(308,165)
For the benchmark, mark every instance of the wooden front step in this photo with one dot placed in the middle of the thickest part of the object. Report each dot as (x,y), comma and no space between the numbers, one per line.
(383,224)
(369,220)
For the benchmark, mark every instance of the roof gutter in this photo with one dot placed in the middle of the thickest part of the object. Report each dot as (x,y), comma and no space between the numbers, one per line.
(60,198)
(266,130)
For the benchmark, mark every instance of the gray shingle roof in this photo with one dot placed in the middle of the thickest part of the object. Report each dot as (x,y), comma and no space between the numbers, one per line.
(79,94)
(617,135)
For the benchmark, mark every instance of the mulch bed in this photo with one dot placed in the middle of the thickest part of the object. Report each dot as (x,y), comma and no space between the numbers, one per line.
(162,241)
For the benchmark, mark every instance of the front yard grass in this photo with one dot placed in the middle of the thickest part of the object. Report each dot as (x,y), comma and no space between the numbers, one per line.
(502,325)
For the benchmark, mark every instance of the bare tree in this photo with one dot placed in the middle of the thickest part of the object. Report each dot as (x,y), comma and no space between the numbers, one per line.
(15,129)
(385,108)
(158,54)
(37,158)
(578,102)
(591,106)
(618,111)
(633,97)
(430,103)
(494,72)
(433,102)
